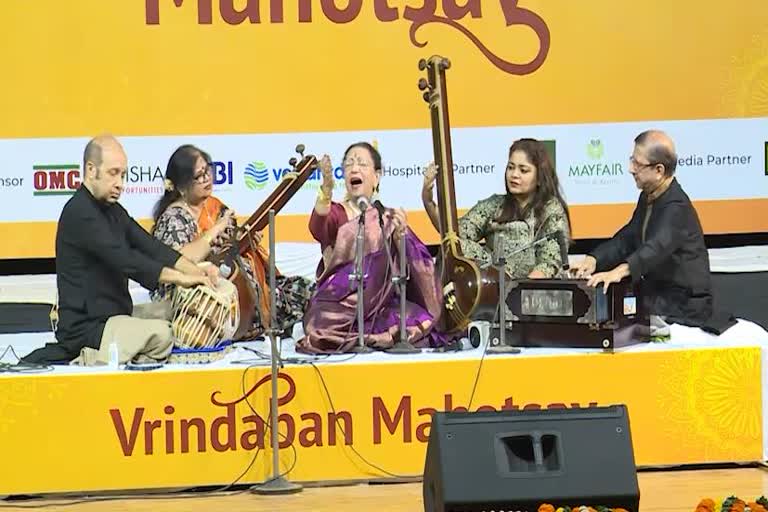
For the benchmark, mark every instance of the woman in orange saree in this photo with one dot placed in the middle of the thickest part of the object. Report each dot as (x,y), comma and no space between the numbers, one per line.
(194,222)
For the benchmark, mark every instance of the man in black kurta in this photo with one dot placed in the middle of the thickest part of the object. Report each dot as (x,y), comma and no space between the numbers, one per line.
(98,248)
(662,247)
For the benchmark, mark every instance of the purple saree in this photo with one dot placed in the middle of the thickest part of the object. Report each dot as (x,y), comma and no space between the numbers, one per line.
(330,320)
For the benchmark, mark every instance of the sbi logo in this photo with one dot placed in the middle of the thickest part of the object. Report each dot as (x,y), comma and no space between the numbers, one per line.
(257,174)
(222,173)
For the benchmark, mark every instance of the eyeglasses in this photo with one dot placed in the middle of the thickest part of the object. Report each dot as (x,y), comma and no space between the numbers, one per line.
(204,176)
(637,165)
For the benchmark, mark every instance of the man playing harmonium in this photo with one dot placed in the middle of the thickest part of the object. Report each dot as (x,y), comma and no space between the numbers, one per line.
(662,246)
(98,248)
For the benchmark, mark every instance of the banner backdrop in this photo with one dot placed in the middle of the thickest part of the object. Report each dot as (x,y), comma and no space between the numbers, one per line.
(248,81)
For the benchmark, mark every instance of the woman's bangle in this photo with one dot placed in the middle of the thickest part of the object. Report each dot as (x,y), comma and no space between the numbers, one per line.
(322,197)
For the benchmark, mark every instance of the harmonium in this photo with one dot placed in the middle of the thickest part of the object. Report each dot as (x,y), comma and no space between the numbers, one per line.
(568,313)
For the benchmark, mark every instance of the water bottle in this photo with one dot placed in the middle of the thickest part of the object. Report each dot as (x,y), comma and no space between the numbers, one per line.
(114,356)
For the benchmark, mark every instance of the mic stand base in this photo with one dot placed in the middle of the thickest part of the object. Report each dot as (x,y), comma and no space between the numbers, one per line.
(277,485)
(361,349)
(403,348)
(495,333)
(503,349)
(400,281)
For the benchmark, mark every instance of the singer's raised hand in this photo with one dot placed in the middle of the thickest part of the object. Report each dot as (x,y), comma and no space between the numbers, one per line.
(430,174)
(325,193)
(326,169)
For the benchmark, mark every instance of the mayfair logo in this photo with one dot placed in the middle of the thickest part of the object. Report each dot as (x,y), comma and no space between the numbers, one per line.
(453,13)
(596,171)
(595,149)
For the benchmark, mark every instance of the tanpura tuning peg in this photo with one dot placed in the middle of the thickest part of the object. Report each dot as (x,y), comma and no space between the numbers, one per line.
(300,150)
(422,64)
(292,162)
(426,96)
(423,84)
(445,64)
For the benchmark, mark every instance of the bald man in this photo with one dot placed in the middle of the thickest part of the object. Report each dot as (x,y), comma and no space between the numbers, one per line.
(662,247)
(98,248)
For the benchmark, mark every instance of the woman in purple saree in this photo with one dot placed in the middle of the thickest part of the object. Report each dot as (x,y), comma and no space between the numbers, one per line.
(330,320)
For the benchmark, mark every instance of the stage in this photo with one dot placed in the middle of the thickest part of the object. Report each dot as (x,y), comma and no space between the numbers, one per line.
(697,399)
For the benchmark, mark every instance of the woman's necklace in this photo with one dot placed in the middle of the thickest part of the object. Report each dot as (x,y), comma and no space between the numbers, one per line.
(193,209)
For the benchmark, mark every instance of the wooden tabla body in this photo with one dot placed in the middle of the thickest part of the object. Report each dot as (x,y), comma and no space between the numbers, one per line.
(203,317)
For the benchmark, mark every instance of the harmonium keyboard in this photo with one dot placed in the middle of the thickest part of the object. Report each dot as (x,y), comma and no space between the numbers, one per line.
(568,313)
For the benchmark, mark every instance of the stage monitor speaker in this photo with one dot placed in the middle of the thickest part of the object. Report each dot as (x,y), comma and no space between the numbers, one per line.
(517,460)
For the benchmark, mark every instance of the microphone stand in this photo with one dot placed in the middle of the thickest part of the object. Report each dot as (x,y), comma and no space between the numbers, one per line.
(565,266)
(500,262)
(358,277)
(277,484)
(401,281)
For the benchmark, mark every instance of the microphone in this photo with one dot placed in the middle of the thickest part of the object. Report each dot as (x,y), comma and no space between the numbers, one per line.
(380,208)
(362,203)
(497,255)
(552,235)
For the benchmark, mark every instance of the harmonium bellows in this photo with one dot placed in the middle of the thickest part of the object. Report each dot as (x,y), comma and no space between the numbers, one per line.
(568,313)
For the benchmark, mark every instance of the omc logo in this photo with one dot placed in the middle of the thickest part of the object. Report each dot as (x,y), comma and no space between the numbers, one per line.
(56,179)
(256,175)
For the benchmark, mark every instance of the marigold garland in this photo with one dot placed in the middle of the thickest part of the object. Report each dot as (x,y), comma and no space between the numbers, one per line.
(733,504)
(729,504)
(546,507)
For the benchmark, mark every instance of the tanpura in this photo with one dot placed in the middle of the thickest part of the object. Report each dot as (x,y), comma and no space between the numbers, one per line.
(469,291)
(241,244)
